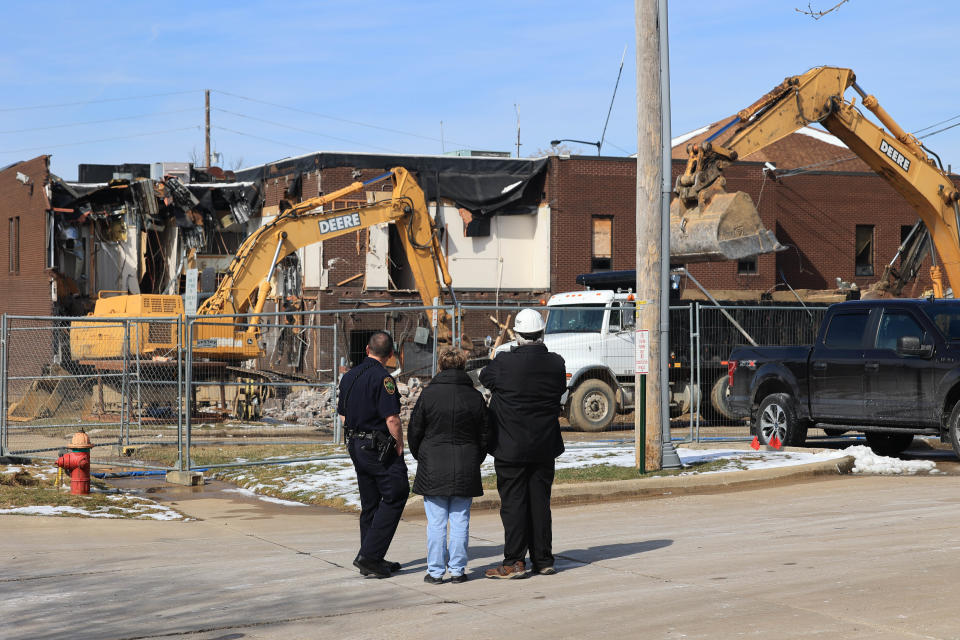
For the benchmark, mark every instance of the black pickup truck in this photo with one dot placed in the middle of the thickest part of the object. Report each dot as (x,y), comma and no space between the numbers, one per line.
(887,368)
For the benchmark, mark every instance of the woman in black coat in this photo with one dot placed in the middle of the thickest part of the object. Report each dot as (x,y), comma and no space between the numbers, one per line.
(448,434)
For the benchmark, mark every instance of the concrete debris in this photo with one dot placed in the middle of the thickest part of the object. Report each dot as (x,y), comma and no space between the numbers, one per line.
(315,407)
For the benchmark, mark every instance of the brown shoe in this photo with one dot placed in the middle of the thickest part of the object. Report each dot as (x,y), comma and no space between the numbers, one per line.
(508,571)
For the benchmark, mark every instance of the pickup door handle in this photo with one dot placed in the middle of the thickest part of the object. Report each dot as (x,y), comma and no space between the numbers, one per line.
(819,366)
(872,366)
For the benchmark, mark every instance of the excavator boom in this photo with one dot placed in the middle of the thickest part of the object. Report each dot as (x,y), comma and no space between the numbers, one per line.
(815,96)
(247,284)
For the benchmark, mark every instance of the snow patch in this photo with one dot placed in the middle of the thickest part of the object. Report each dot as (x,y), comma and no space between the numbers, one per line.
(686,136)
(822,136)
(869,462)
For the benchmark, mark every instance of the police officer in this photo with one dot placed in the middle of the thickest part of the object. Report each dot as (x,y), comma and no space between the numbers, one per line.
(369,407)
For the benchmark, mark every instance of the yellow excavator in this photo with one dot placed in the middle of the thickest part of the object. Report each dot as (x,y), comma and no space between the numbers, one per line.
(247,284)
(703,209)
(98,341)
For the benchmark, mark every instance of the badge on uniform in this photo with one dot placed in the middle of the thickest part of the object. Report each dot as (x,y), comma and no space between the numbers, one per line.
(389,385)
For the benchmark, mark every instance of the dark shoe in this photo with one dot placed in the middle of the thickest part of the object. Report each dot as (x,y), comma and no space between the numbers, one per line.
(508,571)
(458,579)
(371,567)
(393,566)
(546,571)
(429,579)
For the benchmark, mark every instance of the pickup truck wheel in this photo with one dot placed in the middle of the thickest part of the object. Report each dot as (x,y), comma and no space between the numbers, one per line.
(888,444)
(777,417)
(953,429)
(592,406)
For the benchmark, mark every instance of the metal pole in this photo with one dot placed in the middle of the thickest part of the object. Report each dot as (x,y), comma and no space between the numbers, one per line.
(180,457)
(698,309)
(693,362)
(4,344)
(139,385)
(434,314)
(188,389)
(337,437)
(670,458)
(206,155)
(124,431)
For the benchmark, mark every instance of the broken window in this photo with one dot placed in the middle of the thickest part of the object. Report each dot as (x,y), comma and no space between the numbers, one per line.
(864,250)
(747,266)
(13,240)
(602,259)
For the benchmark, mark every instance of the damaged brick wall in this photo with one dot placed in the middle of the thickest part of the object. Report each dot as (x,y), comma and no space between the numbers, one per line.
(25,291)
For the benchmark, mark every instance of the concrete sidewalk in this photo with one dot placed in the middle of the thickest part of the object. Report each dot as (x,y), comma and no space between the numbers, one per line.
(843,556)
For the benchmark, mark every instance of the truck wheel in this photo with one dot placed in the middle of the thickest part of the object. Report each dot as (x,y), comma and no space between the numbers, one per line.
(953,429)
(718,398)
(888,444)
(592,406)
(777,417)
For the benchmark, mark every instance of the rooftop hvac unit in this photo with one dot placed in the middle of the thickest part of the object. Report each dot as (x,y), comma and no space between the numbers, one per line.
(179,169)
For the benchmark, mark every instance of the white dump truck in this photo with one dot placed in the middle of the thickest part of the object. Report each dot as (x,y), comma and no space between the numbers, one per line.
(594,332)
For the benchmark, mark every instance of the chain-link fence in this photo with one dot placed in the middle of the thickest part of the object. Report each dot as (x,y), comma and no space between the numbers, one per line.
(205,392)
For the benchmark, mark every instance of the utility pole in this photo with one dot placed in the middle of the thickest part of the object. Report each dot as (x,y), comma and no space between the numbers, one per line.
(653,235)
(206,153)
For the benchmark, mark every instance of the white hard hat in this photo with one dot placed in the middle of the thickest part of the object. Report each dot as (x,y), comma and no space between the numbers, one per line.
(528,321)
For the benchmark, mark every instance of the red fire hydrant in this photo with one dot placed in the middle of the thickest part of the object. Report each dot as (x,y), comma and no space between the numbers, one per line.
(77,462)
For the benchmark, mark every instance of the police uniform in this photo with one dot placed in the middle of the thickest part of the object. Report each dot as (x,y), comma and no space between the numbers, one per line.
(368,395)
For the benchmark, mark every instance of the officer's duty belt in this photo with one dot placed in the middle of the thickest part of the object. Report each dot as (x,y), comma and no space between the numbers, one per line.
(360,435)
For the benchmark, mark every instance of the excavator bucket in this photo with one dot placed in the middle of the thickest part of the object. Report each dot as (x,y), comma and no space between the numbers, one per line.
(722,226)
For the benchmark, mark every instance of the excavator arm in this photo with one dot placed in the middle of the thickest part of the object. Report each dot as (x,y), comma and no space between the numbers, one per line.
(248,276)
(818,96)
(247,285)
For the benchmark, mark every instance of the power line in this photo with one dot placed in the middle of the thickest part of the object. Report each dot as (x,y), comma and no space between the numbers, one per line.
(75,144)
(933,133)
(250,135)
(77,124)
(353,122)
(935,124)
(317,133)
(74,104)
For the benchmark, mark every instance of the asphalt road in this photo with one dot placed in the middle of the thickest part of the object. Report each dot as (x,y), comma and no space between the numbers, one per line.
(846,557)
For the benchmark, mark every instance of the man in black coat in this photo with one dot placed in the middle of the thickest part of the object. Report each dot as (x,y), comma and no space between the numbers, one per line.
(527,383)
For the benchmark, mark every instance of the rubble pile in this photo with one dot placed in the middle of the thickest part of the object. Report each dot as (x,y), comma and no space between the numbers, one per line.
(315,407)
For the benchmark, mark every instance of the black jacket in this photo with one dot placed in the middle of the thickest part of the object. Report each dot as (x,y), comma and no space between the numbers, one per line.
(448,436)
(527,383)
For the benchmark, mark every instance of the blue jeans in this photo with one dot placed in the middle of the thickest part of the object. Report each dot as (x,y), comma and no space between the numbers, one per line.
(440,557)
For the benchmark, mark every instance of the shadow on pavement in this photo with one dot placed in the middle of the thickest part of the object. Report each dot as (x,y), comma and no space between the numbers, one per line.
(611,551)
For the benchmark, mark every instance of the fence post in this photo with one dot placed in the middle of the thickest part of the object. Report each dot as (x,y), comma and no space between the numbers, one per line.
(188,392)
(336,382)
(434,314)
(124,387)
(4,344)
(696,380)
(181,459)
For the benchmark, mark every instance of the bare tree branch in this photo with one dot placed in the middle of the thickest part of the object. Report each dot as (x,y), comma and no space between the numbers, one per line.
(816,15)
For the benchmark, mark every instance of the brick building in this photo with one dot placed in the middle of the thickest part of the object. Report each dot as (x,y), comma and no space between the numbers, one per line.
(25,286)
(838,219)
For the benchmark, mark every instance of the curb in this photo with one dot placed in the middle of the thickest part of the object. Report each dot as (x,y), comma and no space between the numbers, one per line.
(614,490)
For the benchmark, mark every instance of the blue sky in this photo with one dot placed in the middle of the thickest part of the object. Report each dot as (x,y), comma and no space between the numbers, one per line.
(380,77)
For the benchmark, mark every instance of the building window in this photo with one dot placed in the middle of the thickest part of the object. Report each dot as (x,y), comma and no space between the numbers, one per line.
(602,259)
(864,248)
(14,244)
(747,266)
(905,232)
